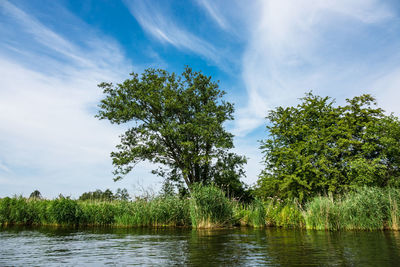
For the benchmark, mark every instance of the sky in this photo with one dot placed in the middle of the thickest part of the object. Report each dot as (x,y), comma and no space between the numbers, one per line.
(264,53)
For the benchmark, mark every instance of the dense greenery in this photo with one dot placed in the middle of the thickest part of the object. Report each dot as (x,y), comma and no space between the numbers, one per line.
(175,121)
(367,208)
(171,211)
(328,167)
(106,195)
(209,207)
(35,194)
(364,209)
(319,148)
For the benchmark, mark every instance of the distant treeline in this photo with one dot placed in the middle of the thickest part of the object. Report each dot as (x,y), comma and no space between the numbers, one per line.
(106,195)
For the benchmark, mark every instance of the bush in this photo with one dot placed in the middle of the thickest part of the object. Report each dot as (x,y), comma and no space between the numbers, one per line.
(318,147)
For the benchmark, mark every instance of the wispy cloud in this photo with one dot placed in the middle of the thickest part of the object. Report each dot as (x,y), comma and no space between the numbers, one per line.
(4,168)
(36,39)
(48,96)
(163,27)
(297,46)
(214,12)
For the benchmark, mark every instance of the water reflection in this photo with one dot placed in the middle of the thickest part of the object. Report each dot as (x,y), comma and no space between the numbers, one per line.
(48,246)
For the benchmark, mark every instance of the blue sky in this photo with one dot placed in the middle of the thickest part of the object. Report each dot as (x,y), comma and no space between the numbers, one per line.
(264,53)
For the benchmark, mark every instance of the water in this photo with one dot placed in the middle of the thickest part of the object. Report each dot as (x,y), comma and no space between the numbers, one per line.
(47,246)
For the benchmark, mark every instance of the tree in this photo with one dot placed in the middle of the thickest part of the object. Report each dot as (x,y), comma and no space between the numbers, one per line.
(122,194)
(175,121)
(317,148)
(36,194)
(107,195)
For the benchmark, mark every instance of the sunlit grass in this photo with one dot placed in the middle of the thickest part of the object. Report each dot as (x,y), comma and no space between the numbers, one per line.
(209,207)
(367,208)
(364,209)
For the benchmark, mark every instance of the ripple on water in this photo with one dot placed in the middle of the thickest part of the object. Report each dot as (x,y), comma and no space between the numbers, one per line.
(47,246)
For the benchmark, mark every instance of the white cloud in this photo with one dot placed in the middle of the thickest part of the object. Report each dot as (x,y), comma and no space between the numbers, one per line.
(4,168)
(250,149)
(49,138)
(214,13)
(297,46)
(386,89)
(161,26)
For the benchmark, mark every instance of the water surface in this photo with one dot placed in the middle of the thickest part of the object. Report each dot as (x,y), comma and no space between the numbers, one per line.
(49,246)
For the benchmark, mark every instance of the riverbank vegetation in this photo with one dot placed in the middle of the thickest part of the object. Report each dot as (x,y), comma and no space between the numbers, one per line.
(318,148)
(367,208)
(327,167)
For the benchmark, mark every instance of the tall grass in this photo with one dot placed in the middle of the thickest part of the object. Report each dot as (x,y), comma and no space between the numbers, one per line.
(364,209)
(367,208)
(286,214)
(209,207)
(394,202)
(249,215)
(160,211)
(169,211)
(323,213)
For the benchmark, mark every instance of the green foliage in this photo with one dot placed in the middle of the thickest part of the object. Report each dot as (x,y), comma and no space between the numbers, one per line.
(285,214)
(160,211)
(252,214)
(178,123)
(257,213)
(368,208)
(209,207)
(323,213)
(14,211)
(394,209)
(36,194)
(318,148)
(122,194)
(19,210)
(64,211)
(107,195)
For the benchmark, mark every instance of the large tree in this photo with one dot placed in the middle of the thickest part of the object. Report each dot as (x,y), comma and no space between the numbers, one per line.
(174,121)
(317,147)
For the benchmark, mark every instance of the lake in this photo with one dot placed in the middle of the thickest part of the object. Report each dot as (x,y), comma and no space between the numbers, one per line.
(51,246)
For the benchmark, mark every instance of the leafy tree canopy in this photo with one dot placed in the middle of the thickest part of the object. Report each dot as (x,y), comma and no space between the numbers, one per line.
(175,121)
(36,194)
(122,194)
(317,148)
(106,195)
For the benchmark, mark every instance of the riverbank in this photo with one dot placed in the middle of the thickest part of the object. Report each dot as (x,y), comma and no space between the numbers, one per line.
(363,209)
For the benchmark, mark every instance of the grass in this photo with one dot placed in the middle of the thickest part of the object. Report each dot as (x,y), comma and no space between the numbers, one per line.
(168,211)
(252,215)
(364,209)
(367,208)
(209,207)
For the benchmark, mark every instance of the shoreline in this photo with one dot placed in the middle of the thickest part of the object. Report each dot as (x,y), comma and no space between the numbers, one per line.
(365,209)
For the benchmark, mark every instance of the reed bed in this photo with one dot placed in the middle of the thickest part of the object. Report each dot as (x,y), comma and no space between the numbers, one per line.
(367,208)
(209,207)
(160,211)
(364,209)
